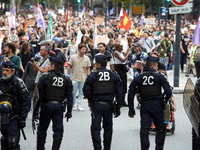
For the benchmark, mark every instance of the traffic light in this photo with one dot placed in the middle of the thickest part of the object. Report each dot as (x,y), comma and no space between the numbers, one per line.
(78,1)
(168,1)
(43,2)
(31,6)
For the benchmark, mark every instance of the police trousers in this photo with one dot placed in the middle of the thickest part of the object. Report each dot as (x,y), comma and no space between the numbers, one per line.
(10,135)
(50,111)
(152,111)
(101,112)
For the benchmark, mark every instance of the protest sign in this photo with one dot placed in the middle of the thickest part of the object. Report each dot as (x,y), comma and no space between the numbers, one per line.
(79,36)
(124,42)
(61,11)
(100,20)
(150,20)
(30,22)
(101,39)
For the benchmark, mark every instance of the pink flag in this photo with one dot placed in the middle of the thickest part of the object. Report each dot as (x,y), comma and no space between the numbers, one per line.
(196,37)
(11,23)
(142,20)
(121,13)
(40,18)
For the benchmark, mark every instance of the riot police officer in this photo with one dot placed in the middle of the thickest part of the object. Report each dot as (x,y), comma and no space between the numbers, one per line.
(100,88)
(19,101)
(149,84)
(53,88)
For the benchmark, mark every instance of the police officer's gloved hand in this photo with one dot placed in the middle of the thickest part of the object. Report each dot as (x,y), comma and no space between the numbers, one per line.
(22,123)
(68,115)
(118,113)
(131,113)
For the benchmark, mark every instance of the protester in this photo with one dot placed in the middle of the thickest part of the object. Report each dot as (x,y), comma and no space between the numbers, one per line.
(42,65)
(71,49)
(25,56)
(120,68)
(9,51)
(80,65)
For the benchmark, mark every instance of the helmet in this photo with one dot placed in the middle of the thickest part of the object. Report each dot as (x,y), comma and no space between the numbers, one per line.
(5,111)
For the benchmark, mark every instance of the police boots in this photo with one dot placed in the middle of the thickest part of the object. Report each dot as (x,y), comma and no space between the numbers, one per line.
(4,143)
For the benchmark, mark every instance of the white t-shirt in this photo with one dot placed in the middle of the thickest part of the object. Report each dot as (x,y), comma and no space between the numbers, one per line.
(46,63)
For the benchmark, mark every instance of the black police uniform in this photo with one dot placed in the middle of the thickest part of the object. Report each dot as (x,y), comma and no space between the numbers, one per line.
(102,86)
(53,88)
(20,108)
(150,83)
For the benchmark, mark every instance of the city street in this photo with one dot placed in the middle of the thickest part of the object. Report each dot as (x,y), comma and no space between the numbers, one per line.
(41,41)
(125,132)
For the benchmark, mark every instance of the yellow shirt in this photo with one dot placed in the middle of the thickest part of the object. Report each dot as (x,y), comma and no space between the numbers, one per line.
(138,33)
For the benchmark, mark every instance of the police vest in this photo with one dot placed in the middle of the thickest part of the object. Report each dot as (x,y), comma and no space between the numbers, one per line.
(148,85)
(55,89)
(104,84)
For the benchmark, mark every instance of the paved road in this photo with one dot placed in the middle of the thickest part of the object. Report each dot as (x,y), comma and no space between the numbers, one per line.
(125,134)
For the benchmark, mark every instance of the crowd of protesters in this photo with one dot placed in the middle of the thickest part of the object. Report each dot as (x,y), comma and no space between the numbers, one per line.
(29,49)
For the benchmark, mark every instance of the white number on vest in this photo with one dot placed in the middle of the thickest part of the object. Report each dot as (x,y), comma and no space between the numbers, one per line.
(58,81)
(148,80)
(104,76)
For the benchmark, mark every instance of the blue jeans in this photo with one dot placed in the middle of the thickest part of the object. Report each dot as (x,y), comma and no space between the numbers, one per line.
(77,86)
(165,61)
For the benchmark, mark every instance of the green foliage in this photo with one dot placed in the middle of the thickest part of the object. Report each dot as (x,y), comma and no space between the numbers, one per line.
(153,3)
(55,2)
(52,2)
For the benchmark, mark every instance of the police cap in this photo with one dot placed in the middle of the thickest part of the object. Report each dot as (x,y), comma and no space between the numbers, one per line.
(151,58)
(137,44)
(8,64)
(100,58)
(55,60)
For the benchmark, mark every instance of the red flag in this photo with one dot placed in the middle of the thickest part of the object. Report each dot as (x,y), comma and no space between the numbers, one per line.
(67,18)
(25,29)
(126,22)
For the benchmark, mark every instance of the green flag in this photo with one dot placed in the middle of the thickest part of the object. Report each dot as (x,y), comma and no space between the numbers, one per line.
(50,26)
